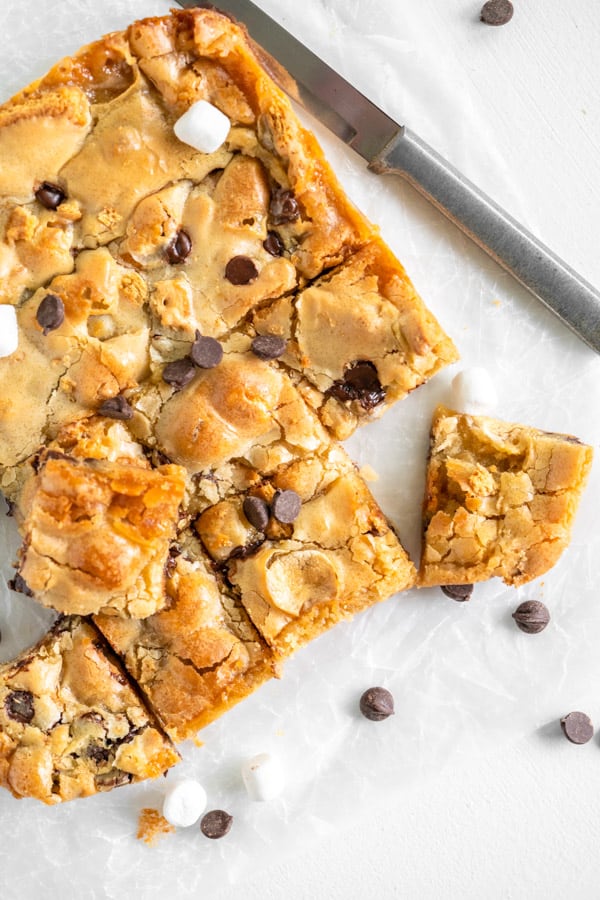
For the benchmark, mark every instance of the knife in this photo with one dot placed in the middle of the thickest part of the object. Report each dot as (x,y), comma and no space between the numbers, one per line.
(393,149)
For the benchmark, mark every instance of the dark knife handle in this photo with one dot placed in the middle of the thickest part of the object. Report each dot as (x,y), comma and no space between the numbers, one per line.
(548,278)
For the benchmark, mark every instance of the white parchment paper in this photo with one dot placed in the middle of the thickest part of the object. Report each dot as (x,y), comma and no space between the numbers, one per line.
(462,675)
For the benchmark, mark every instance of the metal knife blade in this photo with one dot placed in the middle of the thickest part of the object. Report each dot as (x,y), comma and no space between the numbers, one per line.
(390,148)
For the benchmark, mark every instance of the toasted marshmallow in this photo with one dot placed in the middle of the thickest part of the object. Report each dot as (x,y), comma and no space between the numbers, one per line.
(203,127)
(184,803)
(9,330)
(263,777)
(473,392)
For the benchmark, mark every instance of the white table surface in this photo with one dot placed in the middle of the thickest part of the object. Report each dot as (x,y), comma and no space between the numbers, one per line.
(517,109)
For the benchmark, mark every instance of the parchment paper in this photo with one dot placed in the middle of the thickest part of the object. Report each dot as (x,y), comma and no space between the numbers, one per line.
(462,675)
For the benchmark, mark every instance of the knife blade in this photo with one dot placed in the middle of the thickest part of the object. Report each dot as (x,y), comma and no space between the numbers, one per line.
(393,149)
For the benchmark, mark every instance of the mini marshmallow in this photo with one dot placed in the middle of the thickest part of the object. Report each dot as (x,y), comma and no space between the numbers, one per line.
(263,777)
(184,803)
(473,392)
(9,330)
(203,127)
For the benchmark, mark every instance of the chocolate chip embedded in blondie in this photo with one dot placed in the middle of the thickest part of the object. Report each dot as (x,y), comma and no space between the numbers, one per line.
(198,656)
(360,336)
(97,534)
(305,549)
(71,725)
(500,499)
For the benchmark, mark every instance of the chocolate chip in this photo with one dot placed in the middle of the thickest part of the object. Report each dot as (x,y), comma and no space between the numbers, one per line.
(360,382)
(19,706)
(240,270)
(268,346)
(19,585)
(100,755)
(180,372)
(273,244)
(50,195)
(531,616)
(115,778)
(50,313)
(116,408)
(180,248)
(286,506)
(206,352)
(256,511)
(283,207)
(496,12)
(215,824)
(577,727)
(377,704)
(460,592)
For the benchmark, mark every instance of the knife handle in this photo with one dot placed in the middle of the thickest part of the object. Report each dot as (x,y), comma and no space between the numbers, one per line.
(547,277)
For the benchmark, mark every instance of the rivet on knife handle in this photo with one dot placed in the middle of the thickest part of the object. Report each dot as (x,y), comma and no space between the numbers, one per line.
(548,278)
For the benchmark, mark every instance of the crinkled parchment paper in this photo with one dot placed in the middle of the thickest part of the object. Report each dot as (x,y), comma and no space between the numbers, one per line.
(462,675)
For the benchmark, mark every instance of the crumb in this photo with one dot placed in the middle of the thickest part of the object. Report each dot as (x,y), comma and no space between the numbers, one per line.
(152,826)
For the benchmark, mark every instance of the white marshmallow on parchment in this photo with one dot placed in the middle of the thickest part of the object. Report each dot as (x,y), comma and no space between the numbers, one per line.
(9,330)
(203,127)
(184,803)
(263,777)
(474,392)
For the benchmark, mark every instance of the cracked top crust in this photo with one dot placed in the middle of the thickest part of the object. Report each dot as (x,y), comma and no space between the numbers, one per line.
(197,656)
(70,722)
(337,557)
(500,499)
(97,534)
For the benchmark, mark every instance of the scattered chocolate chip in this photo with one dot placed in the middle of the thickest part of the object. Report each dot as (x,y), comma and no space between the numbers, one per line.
(496,12)
(19,585)
(460,592)
(577,727)
(532,616)
(206,352)
(50,313)
(283,207)
(360,382)
(256,511)
(273,244)
(171,563)
(286,506)
(50,195)
(268,346)
(180,248)
(19,706)
(377,704)
(240,270)
(180,372)
(116,408)
(243,551)
(215,824)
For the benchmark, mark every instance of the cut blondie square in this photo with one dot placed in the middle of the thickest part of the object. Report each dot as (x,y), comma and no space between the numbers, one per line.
(97,533)
(71,724)
(500,499)
(198,656)
(305,549)
(359,336)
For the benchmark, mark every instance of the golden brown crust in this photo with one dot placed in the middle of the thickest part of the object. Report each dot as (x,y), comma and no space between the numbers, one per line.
(336,558)
(97,535)
(195,658)
(71,724)
(500,499)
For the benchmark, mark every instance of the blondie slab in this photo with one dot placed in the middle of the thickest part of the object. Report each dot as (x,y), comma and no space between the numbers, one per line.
(71,724)
(198,656)
(500,499)
(305,548)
